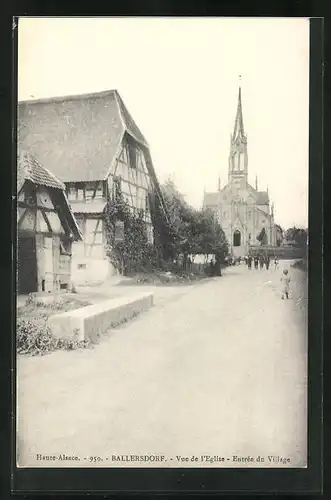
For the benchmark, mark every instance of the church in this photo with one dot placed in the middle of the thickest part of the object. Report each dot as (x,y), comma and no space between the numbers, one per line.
(244,212)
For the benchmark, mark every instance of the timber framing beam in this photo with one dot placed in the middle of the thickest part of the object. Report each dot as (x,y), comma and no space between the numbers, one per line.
(21,204)
(49,227)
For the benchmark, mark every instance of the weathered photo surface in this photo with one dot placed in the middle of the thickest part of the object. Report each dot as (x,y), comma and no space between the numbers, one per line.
(162,231)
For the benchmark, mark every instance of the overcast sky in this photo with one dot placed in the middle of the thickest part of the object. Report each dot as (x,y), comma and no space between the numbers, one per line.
(179,79)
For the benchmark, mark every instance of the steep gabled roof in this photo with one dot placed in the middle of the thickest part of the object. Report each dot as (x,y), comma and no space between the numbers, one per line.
(129,123)
(211,199)
(29,169)
(261,197)
(263,212)
(79,136)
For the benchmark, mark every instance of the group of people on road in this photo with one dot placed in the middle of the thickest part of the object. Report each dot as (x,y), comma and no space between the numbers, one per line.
(264,260)
(260,261)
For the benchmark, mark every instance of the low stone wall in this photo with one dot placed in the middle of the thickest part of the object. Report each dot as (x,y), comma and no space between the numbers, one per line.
(87,323)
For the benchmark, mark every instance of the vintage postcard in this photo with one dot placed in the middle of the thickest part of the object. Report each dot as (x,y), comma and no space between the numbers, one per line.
(162,232)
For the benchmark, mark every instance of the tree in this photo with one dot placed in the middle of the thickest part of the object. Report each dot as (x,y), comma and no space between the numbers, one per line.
(182,217)
(195,231)
(262,237)
(300,238)
(279,235)
(298,235)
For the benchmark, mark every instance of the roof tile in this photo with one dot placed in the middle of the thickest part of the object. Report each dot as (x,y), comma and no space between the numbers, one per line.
(28,168)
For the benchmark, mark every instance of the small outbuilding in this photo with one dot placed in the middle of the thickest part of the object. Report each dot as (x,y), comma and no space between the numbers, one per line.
(46,228)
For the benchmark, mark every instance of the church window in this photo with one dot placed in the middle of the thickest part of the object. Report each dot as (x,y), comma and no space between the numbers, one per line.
(236,238)
(249,215)
(238,168)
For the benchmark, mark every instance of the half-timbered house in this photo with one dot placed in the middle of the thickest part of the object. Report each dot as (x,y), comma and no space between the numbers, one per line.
(93,145)
(46,228)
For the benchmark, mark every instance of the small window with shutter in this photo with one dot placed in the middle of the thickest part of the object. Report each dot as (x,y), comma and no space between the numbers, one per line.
(99,192)
(71,192)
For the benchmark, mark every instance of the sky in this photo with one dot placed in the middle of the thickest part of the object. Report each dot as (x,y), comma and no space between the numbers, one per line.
(179,79)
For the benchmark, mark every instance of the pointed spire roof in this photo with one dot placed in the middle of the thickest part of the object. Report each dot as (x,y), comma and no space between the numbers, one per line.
(239,122)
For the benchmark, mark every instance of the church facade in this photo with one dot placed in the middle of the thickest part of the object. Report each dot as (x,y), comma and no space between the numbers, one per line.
(244,212)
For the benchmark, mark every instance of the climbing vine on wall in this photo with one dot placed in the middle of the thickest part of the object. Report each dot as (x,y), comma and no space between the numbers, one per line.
(133,252)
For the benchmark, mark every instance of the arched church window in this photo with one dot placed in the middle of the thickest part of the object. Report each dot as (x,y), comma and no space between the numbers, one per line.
(238,160)
(236,238)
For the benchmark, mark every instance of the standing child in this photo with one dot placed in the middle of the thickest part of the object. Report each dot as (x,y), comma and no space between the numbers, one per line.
(276,262)
(285,280)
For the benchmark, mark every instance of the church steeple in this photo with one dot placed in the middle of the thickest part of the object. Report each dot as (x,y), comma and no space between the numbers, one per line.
(238,159)
(239,132)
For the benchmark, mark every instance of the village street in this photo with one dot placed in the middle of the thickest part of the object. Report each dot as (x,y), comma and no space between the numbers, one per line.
(217,368)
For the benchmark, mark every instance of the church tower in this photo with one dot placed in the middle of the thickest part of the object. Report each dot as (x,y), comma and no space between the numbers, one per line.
(238,159)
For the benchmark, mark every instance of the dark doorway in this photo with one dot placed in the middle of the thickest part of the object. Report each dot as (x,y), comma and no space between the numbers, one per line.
(236,238)
(27,281)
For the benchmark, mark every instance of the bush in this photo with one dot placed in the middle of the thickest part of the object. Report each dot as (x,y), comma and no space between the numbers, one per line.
(34,337)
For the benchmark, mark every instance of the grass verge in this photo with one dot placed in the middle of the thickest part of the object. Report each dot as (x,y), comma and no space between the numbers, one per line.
(33,334)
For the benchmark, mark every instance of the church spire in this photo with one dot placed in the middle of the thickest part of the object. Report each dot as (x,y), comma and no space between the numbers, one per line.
(238,159)
(239,122)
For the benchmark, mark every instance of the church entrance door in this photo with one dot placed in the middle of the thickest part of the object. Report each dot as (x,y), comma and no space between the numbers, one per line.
(238,248)
(237,238)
